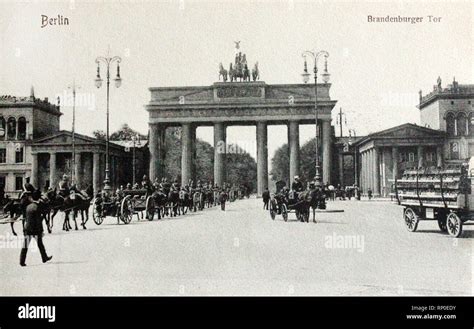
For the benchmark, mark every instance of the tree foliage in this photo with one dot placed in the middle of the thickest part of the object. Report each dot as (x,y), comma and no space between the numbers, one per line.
(280,162)
(241,168)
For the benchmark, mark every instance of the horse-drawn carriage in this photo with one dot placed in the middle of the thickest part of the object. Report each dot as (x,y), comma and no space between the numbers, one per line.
(122,206)
(298,203)
(444,195)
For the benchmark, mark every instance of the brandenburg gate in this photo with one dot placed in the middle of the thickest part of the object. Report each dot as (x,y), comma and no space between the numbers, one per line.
(225,104)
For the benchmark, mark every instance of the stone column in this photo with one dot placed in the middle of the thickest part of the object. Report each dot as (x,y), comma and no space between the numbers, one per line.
(420,154)
(327,154)
(96,172)
(156,145)
(341,169)
(220,147)
(394,162)
(186,153)
(370,173)
(262,158)
(77,169)
(294,149)
(439,155)
(34,170)
(362,172)
(52,169)
(376,172)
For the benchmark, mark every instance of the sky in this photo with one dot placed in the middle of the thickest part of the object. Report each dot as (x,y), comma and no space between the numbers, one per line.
(376,69)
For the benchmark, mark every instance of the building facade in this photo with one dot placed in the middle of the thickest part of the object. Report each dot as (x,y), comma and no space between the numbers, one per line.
(32,145)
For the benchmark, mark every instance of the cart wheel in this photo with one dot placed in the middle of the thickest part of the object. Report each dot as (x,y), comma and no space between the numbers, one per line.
(442,223)
(150,208)
(272,211)
(454,225)
(126,211)
(97,214)
(284,212)
(411,219)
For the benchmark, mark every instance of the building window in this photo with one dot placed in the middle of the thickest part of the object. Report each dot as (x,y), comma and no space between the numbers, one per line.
(471,125)
(18,183)
(462,124)
(3,155)
(451,125)
(452,102)
(411,157)
(430,156)
(3,127)
(11,127)
(3,183)
(22,128)
(19,155)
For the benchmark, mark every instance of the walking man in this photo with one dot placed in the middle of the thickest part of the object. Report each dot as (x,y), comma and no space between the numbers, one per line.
(223,198)
(34,229)
(266,198)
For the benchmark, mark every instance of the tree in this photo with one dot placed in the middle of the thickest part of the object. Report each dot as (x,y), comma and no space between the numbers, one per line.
(280,163)
(99,134)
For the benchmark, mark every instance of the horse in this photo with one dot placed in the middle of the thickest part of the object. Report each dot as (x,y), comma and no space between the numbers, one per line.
(75,202)
(255,72)
(209,198)
(16,209)
(183,201)
(159,202)
(317,201)
(173,199)
(246,73)
(222,72)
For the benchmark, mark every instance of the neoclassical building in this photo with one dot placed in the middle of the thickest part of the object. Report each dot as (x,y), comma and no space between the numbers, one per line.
(32,144)
(446,135)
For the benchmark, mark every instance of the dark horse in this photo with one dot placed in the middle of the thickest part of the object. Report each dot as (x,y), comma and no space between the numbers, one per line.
(15,208)
(74,203)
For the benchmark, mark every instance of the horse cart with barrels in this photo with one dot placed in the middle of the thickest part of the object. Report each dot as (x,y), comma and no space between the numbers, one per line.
(443,195)
(122,206)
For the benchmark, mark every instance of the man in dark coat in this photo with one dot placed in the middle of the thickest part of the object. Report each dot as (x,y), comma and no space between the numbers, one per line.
(34,229)
(266,198)
(223,196)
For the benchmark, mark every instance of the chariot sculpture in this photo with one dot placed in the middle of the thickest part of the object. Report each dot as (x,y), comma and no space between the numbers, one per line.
(239,70)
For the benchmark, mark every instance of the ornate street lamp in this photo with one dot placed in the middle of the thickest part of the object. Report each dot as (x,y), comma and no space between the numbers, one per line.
(98,83)
(325,76)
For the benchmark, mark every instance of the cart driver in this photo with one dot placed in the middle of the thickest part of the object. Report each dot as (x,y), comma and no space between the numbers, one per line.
(297,185)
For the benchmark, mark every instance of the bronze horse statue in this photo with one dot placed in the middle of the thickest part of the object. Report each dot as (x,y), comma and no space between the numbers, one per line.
(222,72)
(255,72)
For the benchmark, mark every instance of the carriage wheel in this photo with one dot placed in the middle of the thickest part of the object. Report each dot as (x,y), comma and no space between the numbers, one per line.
(150,208)
(284,212)
(454,225)
(126,211)
(411,219)
(97,213)
(272,211)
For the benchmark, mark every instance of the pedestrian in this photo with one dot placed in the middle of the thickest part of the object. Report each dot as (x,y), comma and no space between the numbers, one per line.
(34,229)
(266,198)
(369,193)
(222,199)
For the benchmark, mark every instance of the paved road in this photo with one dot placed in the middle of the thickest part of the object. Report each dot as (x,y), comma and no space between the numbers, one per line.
(364,251)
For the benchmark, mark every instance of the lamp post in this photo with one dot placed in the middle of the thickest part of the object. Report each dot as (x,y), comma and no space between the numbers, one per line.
(73,133)
(352,132)
(316,56)
(136,142)
(107,60)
